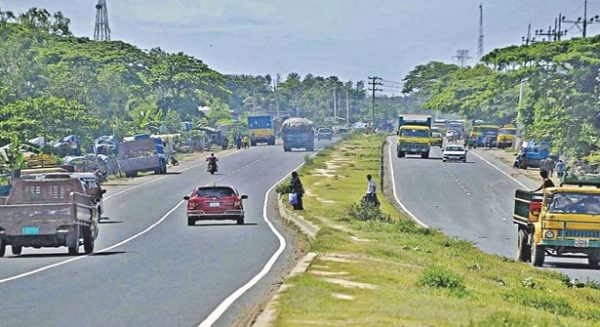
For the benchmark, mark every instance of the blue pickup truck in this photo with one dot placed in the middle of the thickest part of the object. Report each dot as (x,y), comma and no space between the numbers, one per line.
(531,154)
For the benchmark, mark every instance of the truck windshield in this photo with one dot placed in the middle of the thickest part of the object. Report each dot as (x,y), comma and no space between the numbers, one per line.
(508,131)
(488,130)
(414,132)
(576,203)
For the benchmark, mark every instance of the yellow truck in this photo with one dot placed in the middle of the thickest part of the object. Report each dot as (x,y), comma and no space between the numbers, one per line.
(561,221)
(414,135)
(506,136)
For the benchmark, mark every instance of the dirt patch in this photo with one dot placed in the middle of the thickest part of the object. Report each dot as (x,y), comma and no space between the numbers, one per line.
(350,284)
(342,296)
(328,273)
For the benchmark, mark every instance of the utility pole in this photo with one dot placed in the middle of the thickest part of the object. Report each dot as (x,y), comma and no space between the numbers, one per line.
(334,105)
(583,21)
(462,56)
(275,84)
(480,40)
(347,108)
(101,29)
(375,81)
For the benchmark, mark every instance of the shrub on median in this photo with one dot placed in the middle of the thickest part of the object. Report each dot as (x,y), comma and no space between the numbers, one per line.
(367,211)
(442,279)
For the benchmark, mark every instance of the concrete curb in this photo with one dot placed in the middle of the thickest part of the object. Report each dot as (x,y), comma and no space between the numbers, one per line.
(267,317)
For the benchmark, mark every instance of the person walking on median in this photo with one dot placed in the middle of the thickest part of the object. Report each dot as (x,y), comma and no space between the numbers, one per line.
(297,188)
(546,183)
(560,168)
(371,195)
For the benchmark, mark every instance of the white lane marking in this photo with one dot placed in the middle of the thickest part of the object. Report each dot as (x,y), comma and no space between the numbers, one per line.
(61,263)
(500,170)
(223,306)
(396,193)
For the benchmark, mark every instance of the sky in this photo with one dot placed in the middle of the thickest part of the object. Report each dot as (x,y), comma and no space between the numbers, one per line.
(351,39)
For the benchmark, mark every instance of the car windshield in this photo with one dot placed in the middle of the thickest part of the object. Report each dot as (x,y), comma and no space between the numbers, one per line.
(454,148)
(414,132)
(213,192)
(324,130)
(576,203)
(436,135)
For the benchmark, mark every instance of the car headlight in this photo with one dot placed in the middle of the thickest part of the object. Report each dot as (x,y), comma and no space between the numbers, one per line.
(549,234)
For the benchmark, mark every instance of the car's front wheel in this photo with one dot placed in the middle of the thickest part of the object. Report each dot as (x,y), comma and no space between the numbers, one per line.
(191,221)
(240,221)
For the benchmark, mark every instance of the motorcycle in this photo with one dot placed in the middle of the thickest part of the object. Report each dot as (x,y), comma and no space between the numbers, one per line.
(212,168)
(173,161)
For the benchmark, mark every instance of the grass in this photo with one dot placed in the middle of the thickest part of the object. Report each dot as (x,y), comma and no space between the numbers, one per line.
(415,276)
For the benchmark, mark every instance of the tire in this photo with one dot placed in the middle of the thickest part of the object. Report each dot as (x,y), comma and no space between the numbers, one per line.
(398,154)
(287,149)
(240,221)
(310,148)
(16,249)
(88,243)
(191,221)
(523,247)
(2,248)
(425,155)
(538,255)
(73,243)
(594,259)
(402,154)
(212,172)
(252,143)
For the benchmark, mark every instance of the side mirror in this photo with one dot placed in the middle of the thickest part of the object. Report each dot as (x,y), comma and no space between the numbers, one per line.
(187,197)
(244,197)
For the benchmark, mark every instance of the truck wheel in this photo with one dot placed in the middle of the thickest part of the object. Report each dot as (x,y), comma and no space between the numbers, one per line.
(594,258)
(16,249)
(425,155)
(2,248)
(537,255)
(401,154)
(240,221)
(523,247)
(73,242)
(74,250)
(191,221)
(88,243)
(310,148)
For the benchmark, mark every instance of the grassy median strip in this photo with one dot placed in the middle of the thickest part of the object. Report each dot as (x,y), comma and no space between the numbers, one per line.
(380,269)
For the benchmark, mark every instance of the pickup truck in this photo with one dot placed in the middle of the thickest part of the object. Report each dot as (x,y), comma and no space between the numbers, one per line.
(560,221)
(48,213)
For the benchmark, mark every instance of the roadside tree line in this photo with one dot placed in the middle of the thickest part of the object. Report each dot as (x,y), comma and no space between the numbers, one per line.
(559,85)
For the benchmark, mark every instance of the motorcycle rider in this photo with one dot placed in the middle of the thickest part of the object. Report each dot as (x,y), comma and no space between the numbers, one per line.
(212,160)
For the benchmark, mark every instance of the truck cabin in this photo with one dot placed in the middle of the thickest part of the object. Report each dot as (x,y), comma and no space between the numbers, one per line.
(573,200)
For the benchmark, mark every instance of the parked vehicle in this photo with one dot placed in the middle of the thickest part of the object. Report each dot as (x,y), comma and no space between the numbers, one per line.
(483,135)
(414,135)
(454,152)
(48,213)
(506,136)
(324,134)
(140,154)
(560,221)
(261,129)
(532,154)
(215,203)
(298,133)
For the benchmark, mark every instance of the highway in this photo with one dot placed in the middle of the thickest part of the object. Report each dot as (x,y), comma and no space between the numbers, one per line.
(471,201)
(150,268)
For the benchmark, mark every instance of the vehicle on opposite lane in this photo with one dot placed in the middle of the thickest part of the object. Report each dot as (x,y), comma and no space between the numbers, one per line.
(324,134)
(215,203)
(454,152)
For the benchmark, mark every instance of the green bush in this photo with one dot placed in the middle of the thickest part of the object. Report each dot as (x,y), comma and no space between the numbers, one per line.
(541,300)
(308,159)
(508,319)
(443,279)
(283,188)
(368,211)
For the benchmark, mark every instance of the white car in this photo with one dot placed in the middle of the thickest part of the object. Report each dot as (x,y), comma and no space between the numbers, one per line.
(454,152)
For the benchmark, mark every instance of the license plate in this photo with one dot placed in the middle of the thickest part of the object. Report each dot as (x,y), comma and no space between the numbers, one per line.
(214,204)
(30,230)
(582,243)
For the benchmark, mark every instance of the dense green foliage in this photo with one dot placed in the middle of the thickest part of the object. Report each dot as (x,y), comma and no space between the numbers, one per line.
(560,92)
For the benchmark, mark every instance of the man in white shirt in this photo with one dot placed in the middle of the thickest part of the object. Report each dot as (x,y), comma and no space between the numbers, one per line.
(371,195)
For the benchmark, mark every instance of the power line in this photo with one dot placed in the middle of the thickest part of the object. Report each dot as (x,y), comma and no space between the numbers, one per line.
(393,82)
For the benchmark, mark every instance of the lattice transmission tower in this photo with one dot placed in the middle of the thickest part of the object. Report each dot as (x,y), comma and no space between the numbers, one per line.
(102,29)
(480,40)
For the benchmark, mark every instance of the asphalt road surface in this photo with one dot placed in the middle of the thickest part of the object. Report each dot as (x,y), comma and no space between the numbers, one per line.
(471,201)
(152,269)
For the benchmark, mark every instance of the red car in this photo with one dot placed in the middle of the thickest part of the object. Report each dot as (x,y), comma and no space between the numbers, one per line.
(215,203)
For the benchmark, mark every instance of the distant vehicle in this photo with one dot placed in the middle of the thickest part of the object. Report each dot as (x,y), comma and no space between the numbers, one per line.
(414,135)
(298,133)
(261,130)
(456,125)
(454,152)
(506,136)
(484,135)
(141,154)
(215,203)
(342,130)
(48,213)
(437,139)
(325,133)
(560,221)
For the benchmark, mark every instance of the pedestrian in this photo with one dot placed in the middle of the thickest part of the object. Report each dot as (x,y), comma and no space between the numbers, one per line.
(547,182)
(238,141)
(246,142)
(560,168)
(297,188)
(371,195)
